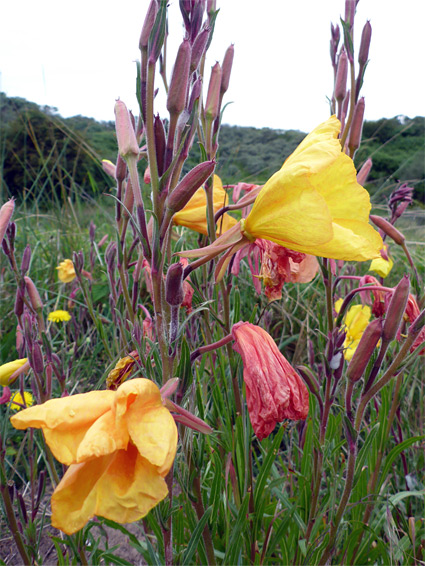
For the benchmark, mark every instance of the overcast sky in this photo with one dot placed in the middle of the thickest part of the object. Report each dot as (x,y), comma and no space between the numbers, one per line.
(79,56)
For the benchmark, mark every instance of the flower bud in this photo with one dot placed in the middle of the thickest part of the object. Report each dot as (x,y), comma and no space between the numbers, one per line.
(109,168)
(195,94)
(177,91)
(19,303)
(227,68)
(26,258)
(157,34)
(418,324)
(127,143)
(364,171)
(121,169)
(36,358)
(388,229)
(365,43)
(396,309)
(356,126)
(213,96)
(148,24)
(187,187)
(341,77)
(198,48)
(6,212)
(128,199)
(350,10)
(174,285)
(33,294)
(364,350)
(160,143)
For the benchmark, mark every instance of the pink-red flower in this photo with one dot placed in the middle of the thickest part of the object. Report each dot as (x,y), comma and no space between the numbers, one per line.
(274,390)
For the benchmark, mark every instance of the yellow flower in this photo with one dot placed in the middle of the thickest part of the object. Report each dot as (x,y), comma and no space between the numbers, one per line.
(59,316)
(6,370)
(66,271)
(194,214)
(382,266)
(314,203)
(119,446)
(16,401)
(356,321)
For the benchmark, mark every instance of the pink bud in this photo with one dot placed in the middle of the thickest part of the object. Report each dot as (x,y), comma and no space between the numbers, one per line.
(365,43)
(364,171)
(174,285)
(356,126)
(148,24)
(109,168)
(388,229)
(189,185)
(198,48)
(6,212)
(127,143)
(177,91)
(33,294)
(227,68)
(147,176)
(213,96)
(364,350)
(341,77)
(396,309)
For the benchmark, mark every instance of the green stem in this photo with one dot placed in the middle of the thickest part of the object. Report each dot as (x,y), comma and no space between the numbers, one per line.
(200,511)
(352,106)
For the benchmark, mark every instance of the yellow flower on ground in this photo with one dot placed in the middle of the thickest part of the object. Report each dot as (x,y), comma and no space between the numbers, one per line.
(382,266)
(16,401)
(194,214)
(314,203)
(66,271)
(59,316)
(119,446)
(356,321)
(6,370)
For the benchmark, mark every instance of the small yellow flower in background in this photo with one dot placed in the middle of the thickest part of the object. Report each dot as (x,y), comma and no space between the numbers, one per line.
(66,271)
(194,214)
(382,266)
(6,370)
(16,403)
(119,446)
(59,316)
(356,321)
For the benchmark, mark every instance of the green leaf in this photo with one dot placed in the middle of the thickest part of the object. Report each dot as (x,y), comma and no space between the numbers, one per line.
(236,539)
(268,461)
(196,536)
(393,455)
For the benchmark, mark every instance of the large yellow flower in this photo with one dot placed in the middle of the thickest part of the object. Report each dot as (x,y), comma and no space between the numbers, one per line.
(194,214)
(119,446)
(356,321)
(314,204)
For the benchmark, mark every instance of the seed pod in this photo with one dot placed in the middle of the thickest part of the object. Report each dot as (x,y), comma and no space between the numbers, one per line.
(174,285)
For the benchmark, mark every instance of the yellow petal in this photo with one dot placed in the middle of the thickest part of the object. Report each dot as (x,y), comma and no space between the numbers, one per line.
(150,425)
(357,319)
(381,266)
(122,487)
(105,436)
(65,421)
(314,203)
(194,214)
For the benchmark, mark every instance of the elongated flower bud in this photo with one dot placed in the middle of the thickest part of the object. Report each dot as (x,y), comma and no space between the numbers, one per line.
(227,68)
(341,77)
(198,48)
(160,143)
(213,96)
(356,126)
(121,170)
(109,167)
(364,350)
(177,92)
(33,294)
(365,43)
(26,258)
(6,212)
(364,171)
(396,309)
(189,185)
(174,285)
(148,24)
(388,229)
(157,35)
(127,143)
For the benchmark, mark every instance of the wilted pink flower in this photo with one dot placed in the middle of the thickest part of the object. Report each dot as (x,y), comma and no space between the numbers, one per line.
(188,290)
(378,304)
(411,313)
(274,391)
(246,187)
(6,212)
(280,265)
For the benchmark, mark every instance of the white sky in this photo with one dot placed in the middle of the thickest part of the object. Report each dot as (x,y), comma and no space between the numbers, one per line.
(79,56)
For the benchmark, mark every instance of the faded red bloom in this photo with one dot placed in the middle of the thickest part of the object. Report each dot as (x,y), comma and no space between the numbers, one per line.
(280,265)
(378,304)
(188,290)
(274,391)
(246,187)
(411,314)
